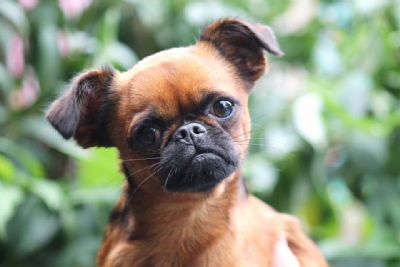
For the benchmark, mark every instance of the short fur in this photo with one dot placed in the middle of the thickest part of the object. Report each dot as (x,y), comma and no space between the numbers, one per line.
(184,202)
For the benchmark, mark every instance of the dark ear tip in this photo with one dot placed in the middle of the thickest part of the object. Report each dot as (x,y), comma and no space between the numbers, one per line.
(263,33)
(277,52)
(60,115)
(52,117)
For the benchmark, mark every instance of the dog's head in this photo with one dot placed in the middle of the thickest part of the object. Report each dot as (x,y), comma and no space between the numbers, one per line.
(179,117)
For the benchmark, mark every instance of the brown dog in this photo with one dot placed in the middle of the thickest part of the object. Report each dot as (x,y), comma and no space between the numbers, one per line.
(180,121)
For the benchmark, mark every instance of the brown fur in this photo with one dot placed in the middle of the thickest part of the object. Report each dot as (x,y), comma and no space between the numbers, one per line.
(152,227)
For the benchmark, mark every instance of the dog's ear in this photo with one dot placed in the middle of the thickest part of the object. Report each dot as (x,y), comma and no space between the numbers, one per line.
(82,112)
(242,43)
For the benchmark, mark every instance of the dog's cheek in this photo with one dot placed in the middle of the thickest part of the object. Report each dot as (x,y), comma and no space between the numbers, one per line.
(240,133)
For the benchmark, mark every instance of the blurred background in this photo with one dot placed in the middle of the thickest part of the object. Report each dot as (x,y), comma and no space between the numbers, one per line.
(326,120)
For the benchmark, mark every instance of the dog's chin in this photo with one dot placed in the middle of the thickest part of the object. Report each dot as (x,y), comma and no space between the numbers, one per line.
(202,174)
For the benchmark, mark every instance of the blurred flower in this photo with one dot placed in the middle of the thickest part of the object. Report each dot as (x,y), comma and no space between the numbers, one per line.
(15,59)
(72,8)
(326,55)
(335,157)
(370,6)
(199,13)
(27,94)
(297,17)
(62,43)
(340,13)
(352,220)
(355,85)
(28,4)
(280,141)
(308,120)
(264,175)
(287,81)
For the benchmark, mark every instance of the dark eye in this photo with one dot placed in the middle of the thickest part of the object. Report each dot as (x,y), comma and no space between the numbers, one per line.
(222,108)
(148,135)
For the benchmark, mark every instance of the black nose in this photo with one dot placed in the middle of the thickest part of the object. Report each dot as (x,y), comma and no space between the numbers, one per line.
(189,133)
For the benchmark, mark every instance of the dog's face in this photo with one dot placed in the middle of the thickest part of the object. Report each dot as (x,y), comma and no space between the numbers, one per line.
(193,116)
(179,118)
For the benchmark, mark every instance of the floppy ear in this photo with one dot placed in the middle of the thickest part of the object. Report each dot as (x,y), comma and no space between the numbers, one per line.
(242,43)
(82,112)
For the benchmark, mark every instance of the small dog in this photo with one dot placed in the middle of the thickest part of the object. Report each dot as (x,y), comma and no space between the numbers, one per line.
(180,121)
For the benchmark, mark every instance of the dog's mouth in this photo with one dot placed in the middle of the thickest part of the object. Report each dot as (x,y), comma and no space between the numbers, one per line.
(204,153)
(200,173)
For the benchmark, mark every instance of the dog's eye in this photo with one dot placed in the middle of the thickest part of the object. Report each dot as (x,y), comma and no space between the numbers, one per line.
(148,135)
(222,108)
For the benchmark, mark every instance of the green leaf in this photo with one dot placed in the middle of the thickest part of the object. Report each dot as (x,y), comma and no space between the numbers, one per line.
(6,82)
(31,228)
(80,252)
(96,195)
(38,128)
(118,54)
(109,26)
(6,169)
(100,168)
(13,14)
(10,197)
(22,156)
(50,192)
(48,64)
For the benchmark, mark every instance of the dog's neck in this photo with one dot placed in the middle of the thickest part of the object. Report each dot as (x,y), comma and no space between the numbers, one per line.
(152,208)
(178,222)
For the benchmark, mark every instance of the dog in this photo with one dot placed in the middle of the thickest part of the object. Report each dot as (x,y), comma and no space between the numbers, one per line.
(180,121)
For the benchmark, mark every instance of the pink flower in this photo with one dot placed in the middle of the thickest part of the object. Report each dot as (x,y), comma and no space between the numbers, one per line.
(28,4)
(15,59)
(62,43)
(27,95)
(72,8)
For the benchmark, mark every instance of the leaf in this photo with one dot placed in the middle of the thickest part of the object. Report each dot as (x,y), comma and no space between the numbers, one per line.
(31,228)
(50,192)
(6,169)
(122,55)
(118,54)
(38,128)
(6,83)
(100,168)
(109,26)
(22,156)
(11,12)
(10,197)
(80,252)
(48,56)
(95,195)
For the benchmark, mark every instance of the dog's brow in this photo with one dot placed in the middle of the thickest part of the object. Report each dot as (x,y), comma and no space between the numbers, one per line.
(198,106)
(136,120)
(154,114)
(208,97)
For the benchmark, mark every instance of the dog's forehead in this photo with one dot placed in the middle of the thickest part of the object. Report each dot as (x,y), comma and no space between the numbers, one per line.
(177,78)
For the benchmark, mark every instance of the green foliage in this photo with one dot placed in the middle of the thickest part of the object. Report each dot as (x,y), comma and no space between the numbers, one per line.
(326,123)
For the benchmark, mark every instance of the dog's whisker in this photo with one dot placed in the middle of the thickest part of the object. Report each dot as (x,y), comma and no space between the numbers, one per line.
(140,159)
(145,168)
(166,180)
(146,179)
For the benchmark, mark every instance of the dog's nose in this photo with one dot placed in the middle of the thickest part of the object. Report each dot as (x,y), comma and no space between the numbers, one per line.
(189,133)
